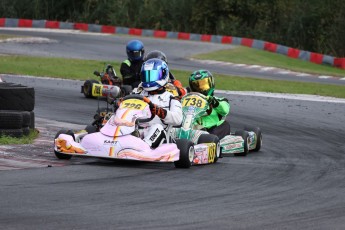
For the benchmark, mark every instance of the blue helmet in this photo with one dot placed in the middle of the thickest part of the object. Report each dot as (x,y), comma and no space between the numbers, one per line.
(135,50)
(154,74)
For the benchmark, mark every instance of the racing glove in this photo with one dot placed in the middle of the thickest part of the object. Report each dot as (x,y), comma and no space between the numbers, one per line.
(155,109)
(212,101)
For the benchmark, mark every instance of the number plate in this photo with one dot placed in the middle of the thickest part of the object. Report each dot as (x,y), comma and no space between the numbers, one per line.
(194,101)
(133,104)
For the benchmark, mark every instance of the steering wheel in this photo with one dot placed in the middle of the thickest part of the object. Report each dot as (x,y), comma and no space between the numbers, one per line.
(144,99)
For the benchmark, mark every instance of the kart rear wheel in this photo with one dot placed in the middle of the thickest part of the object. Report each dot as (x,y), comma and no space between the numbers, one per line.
(210,138)
(258,133)
(186,148)
(61,155)
(245,135)
(87,89)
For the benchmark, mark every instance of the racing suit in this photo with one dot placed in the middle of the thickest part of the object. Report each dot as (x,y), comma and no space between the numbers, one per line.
(215,122)
(168,111)
(130,71)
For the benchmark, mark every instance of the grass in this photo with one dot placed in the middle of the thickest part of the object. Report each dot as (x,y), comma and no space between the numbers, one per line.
(245,55)
(7,140)
(82,69)
(6,36)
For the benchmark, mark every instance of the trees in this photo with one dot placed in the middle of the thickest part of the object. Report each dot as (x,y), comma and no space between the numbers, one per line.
(313,25)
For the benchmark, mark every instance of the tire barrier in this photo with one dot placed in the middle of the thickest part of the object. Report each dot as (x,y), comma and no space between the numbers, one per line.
(16,97)
(252,43)
(17,103)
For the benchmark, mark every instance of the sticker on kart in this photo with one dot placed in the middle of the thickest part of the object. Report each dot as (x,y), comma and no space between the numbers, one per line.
(205,153)
(133,104)
(195,101)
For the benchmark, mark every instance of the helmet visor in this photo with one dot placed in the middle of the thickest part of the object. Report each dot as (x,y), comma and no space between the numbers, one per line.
(135,54)
(201,85)
(151,75)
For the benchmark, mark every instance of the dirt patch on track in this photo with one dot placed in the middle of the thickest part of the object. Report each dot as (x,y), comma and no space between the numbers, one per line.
(40,153)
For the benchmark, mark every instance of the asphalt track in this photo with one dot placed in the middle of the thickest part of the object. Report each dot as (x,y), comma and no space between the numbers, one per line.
(73,44)
(297,180)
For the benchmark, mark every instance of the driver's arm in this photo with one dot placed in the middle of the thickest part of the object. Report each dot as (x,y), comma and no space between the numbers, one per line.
(223,106)
(127,75)
(174,114)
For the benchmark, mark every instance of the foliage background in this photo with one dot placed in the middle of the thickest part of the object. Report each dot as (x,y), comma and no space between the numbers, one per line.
(313,25)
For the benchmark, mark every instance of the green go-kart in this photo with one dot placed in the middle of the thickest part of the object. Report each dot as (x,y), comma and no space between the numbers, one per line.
(239,143)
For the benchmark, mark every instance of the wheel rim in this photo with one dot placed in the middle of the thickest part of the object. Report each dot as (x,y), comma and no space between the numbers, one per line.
(191,154)
(86,89)
(247,144)
(218,150)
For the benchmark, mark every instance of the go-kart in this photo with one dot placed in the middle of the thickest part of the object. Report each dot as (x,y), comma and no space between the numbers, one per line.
(93,88)
(194,106)
(103,114)
(120,138)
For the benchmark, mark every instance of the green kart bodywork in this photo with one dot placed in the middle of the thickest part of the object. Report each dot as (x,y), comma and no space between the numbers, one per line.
(195,106)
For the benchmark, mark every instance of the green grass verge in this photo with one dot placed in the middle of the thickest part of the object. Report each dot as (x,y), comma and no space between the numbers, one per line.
(6,140)
(83,69)
(245,55)
(6,36)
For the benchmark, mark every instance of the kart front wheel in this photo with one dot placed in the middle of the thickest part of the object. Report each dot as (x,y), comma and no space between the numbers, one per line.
(210,138)
(91,129)
(186,148)
(245,135)
(59,155)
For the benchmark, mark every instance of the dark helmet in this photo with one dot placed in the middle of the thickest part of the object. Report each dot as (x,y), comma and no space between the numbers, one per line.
(135,50)
(156,54)
(154,74)
(202,81)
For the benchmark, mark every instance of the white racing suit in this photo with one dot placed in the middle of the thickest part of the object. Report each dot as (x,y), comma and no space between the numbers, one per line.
(154,133)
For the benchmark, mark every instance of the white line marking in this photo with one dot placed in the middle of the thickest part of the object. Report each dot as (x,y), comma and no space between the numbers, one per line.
(284,72)
(303,75)
(254,66)
(324,77)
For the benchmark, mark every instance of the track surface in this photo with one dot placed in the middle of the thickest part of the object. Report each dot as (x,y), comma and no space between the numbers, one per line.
(297,181)
(106,47)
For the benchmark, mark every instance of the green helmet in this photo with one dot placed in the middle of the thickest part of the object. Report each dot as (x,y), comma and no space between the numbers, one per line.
(202,81)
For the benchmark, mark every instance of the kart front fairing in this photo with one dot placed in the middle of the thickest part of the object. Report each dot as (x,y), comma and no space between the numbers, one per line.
(115,139)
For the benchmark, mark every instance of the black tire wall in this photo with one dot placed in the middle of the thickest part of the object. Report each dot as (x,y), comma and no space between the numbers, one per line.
(17,103)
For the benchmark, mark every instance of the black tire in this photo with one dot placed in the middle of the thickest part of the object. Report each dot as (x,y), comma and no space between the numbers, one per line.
(186,148)
(26,118)
(126,90)
(11,132)
(245,135)
(59,155)
(17,97)
(210,138)
(32,120)
(87,89)
(258,133)
(91,129)
(26,131)
(11,119)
